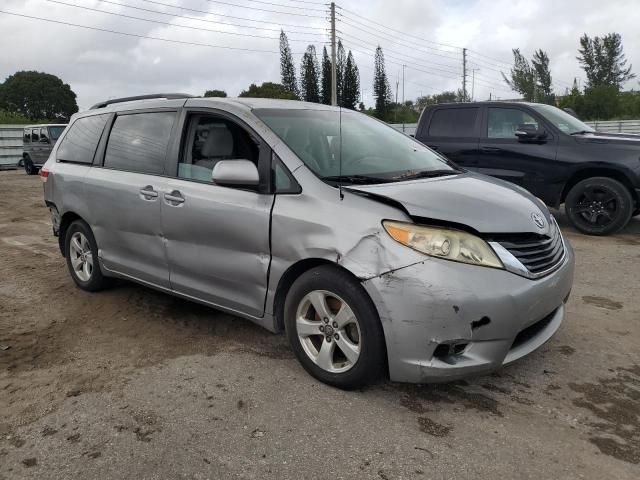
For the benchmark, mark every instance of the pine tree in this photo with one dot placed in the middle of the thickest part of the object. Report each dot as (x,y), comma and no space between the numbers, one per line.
(309,90)
(531,80)
(603,61)
(326,77)
(287,69)
(351,86)
(341,65)
(381,87)
(543,85)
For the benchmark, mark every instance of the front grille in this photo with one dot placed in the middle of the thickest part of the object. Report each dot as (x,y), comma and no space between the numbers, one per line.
(538,253)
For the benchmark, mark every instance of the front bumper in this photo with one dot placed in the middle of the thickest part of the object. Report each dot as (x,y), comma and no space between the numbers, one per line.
(487,317)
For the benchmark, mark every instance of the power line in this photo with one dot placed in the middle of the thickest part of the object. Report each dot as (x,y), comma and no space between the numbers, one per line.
(266,9)
(377,32)
(371,44)
(170,24)
(399,41)
(290,6)
(231,16)
(198,19)
(146,37)
(397,31)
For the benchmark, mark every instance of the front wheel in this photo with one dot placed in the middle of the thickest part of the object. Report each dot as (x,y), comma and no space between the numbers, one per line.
(334,329)
(599,206)
(29,167)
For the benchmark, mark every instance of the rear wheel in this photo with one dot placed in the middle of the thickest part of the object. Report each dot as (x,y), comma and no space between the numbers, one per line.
(334,329)
(599,206)
(82,257)
(29,167)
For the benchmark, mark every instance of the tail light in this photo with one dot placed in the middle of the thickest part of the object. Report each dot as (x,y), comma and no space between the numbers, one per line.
(44,174)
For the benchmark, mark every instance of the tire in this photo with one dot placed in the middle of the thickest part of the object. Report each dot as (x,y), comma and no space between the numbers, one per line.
(29,167)
(599,206)
(86,277)
(359,331)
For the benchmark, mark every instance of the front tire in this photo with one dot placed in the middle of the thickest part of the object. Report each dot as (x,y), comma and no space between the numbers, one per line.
(82,257)
(334,329)
(29,167)
(599,206)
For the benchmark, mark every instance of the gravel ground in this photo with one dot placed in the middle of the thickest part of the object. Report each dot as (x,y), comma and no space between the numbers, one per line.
(132,383)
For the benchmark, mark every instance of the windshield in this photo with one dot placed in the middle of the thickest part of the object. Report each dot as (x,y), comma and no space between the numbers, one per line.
(55,132)
(369,148)
(561,119)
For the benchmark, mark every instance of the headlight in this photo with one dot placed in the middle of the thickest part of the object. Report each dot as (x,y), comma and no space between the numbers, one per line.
(444,243)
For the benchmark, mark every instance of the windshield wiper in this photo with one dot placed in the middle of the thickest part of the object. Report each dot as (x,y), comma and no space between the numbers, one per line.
(581,132)
(355,179)
(427,174)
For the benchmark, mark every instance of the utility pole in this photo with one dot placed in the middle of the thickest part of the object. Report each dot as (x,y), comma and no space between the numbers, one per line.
(403,67)
(395,120)
(464,74)
(334,86)
(473,83)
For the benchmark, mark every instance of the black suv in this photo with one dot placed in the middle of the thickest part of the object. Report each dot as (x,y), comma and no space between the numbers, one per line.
(545,150)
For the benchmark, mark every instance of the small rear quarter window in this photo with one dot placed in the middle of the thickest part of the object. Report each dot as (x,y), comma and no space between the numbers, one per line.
(80,143)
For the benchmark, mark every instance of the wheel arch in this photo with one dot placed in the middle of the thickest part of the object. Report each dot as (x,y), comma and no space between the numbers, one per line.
(289,276)
(590,172)
(67,219)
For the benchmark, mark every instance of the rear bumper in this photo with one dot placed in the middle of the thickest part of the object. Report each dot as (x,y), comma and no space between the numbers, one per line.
(445,321)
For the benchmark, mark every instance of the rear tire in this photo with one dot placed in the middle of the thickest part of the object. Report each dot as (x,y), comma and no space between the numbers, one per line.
(81,252)
(599,206)
(29,167)
(341,343)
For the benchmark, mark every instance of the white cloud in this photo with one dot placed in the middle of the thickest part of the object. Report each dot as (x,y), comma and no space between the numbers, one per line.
(101,65)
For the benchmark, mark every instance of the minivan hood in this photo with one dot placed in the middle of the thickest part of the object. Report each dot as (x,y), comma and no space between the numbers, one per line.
(486,204)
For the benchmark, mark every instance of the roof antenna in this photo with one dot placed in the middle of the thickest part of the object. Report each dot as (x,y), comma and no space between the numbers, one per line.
(340,152)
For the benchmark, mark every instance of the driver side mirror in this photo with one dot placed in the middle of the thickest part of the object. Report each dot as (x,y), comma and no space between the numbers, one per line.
(235,173)
(528,131)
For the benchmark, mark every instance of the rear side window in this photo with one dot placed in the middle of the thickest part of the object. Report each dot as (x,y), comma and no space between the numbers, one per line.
(34,134)
(27,136)
(44,135)
(454,122)
(80,142)
(138,142)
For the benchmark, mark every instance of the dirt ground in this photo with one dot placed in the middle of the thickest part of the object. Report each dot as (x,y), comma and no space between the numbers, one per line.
(132,383)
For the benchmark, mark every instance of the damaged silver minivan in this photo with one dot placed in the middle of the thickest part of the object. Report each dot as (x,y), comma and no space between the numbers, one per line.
(374,254)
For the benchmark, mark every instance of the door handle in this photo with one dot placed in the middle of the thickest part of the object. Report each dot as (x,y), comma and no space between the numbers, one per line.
(490,149)
(148,193)
(174,198)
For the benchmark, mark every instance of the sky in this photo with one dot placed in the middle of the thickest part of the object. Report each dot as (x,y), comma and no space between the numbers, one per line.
(426,36)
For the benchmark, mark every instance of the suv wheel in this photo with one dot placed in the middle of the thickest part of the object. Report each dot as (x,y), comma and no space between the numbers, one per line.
(599,206)
(334,329)
(29,167)
(82,257)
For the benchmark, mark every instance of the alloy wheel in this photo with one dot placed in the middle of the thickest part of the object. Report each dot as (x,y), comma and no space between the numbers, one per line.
(81,256)
(328,331)
(597,206)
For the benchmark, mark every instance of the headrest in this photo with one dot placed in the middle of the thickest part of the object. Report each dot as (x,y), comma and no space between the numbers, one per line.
(219,143)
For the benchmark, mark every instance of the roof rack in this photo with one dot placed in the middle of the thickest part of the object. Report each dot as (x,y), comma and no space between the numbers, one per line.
(168,96)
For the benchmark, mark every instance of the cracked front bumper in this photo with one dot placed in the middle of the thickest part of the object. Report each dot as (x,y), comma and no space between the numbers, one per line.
(438,302)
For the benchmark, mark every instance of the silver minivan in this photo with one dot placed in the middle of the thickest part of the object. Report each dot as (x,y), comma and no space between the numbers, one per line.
(376,255)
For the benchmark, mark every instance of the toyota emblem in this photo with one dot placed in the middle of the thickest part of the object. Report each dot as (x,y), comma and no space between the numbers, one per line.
(538,219)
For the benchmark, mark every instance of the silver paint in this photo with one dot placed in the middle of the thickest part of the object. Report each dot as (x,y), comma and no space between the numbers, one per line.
(230,248)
